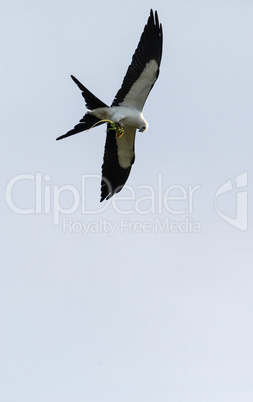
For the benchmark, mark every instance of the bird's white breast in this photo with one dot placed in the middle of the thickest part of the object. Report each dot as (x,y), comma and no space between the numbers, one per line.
(128,116)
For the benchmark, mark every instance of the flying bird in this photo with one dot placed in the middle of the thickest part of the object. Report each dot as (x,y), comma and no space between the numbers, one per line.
(124,116)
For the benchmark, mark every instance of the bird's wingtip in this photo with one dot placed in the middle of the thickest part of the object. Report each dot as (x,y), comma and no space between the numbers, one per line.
(60,138)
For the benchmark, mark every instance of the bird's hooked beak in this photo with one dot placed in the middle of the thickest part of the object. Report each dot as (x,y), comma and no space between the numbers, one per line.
(142,129)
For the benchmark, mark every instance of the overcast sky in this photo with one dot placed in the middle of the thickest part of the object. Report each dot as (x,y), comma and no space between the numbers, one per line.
(147,297)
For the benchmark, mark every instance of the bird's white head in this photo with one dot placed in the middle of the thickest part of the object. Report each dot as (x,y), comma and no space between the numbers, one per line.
(143,127)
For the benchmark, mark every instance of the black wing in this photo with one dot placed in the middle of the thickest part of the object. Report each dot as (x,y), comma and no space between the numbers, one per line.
(144,69)
(118,160)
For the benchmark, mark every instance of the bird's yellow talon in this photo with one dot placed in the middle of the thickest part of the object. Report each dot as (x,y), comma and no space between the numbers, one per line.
(119,131)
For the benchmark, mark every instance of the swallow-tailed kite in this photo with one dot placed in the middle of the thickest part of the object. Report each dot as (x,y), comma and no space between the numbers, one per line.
(125,114)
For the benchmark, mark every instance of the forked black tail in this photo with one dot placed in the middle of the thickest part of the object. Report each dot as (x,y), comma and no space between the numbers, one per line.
(88,120)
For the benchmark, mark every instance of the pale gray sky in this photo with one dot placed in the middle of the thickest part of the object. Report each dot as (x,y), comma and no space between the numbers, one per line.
(146,298)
